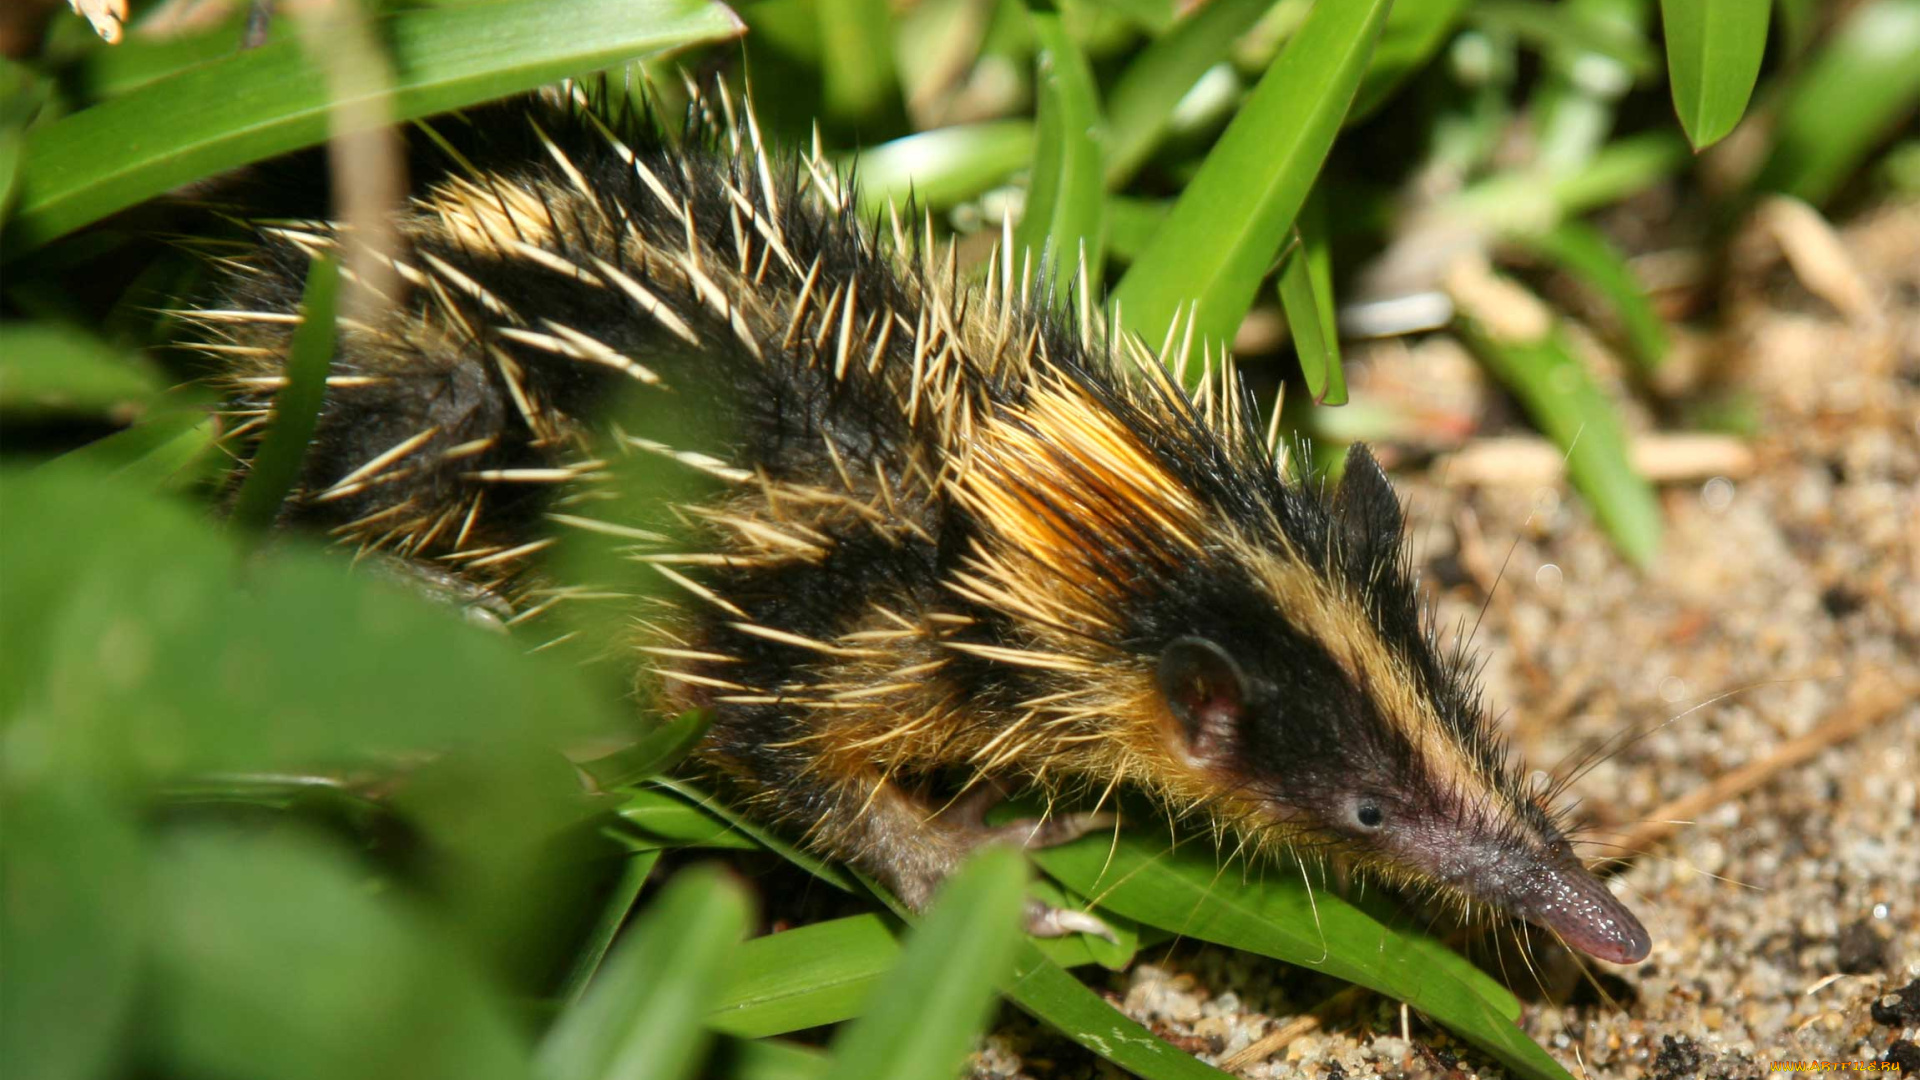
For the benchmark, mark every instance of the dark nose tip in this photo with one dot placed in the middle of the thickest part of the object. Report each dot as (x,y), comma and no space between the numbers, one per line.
(1577,906)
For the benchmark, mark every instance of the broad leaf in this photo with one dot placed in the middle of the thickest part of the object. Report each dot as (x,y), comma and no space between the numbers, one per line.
(1713,57)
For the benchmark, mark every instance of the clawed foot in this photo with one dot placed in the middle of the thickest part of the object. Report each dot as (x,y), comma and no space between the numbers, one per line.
(480,605)
(1045,920)
(895,838)
(968,814)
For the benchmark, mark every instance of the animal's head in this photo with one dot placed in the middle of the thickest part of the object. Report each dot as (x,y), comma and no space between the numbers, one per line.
(1264,649)
(1321,697)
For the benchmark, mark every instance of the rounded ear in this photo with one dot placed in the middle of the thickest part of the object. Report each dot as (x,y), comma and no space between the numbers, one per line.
(1206,692)
(1366,510)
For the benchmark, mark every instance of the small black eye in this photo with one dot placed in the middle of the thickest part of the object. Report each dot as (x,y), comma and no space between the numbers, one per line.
(1369,816)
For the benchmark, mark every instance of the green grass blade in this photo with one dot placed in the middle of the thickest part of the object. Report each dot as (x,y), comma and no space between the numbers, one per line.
(275,960)
(831,873)
(1049,993)
(767,1059)
(296,407)
(303,643)
(1523,201)
(1066,198)
(169,451)
(139,59)
(925,1014)
(862,90)
(1572,109)
(21,95)
(801,978)
(1859,85)
(1131,224)
(12,151)
(47,368)
(1564,28)
(1619,169)
(1713,57)
(1045,990)
(1224,232)
(1141,104)
(943,167)
(267,101)
(1799,22)
(824,973)
(1536,363)
(659,751)
(663,819)
(72,918)
(613,915)
(1415,30)
(1186,892)
(641,1019)
(1900,169)
(1306,294)
(1153,16)
(1580,250)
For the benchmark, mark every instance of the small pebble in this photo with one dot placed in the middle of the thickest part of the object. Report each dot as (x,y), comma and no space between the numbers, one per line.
(1862,949)
(1679,1058)
(1899,1009)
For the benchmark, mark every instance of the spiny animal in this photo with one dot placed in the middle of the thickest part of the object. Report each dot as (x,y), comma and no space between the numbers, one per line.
(962,534)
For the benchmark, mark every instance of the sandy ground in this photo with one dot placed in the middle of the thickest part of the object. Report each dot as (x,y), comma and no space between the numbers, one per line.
(1775,649)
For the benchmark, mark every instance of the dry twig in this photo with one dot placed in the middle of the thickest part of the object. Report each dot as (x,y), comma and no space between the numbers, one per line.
(1527,461)
(1874,698)
(1286,1034)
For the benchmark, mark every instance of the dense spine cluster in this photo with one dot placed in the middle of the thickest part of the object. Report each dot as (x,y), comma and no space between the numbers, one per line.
(964,539)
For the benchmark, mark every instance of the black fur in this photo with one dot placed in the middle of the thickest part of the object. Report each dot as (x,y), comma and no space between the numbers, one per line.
(1305,739)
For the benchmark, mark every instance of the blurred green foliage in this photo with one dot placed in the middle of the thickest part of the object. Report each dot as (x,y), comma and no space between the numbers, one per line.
(269,816)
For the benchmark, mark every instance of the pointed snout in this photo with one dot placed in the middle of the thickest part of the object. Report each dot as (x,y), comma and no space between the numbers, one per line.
(1534,877)
(1568,900)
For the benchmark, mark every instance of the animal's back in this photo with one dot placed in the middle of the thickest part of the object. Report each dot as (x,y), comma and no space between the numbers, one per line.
(552,253)
(554,256)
